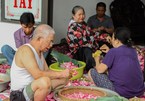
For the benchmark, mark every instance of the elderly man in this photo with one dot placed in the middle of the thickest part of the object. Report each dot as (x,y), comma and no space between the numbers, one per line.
(30,76)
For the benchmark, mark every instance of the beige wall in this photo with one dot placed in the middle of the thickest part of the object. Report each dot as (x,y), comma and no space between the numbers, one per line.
(62,13)
(61,16)
(6,34)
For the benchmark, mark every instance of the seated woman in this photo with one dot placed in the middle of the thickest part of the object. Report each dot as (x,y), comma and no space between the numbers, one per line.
(124,72)
(80,38)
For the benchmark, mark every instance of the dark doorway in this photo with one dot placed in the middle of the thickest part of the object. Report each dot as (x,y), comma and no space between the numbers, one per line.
(131,14)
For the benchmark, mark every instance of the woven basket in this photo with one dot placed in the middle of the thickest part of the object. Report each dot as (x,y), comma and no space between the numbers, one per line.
(63,92)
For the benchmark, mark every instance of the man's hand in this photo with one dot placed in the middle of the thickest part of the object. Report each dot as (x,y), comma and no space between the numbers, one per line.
(101,28)
(95,30)
(66,73)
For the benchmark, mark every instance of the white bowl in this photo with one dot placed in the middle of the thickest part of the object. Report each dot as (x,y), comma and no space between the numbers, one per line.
(4,81)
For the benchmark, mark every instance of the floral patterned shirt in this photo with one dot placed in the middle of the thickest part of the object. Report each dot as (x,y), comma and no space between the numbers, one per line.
(80,35)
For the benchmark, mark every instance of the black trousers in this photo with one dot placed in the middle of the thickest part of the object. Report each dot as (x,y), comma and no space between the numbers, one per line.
(85,54)
(17,96)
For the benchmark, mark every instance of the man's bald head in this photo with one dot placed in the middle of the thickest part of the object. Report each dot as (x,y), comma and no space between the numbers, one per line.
(43,30)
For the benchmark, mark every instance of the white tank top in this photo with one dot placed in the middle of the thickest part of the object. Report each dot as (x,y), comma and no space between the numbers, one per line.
(19,76)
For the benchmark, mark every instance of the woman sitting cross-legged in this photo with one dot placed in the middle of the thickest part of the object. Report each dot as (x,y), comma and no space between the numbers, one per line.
(124,74)
(80,38)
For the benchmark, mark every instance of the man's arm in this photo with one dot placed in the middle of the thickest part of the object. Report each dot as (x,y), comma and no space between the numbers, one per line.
(17,38)
(25,58)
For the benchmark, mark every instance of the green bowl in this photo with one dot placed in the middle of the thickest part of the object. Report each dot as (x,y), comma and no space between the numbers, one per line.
(4,81)
(80,70)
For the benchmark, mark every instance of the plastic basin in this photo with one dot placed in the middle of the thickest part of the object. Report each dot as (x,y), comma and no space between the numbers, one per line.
(80,70)
(4,81)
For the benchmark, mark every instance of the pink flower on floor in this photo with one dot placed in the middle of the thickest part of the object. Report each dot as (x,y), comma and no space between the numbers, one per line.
(50,97)
(3,68)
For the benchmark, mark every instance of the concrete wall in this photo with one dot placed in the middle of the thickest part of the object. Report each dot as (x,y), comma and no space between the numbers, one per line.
(61,16)
(62,13)
(6,34)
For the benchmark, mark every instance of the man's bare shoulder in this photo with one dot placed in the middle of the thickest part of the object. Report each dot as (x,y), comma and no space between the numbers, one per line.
(24,51)
(24,48)
(24,55)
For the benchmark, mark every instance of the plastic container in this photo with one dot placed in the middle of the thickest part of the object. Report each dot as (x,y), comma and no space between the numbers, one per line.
(80,70)
(4,81)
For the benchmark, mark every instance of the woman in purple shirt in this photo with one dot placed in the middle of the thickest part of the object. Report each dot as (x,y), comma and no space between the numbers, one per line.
(124,73)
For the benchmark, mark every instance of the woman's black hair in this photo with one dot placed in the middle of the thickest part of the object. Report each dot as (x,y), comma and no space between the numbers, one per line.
(123,34)
(76,8)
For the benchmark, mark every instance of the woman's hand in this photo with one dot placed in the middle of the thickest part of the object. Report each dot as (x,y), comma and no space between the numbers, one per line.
(97,59)
(108,38)
(104,48)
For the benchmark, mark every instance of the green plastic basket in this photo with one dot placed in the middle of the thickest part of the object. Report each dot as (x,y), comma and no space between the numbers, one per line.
(80,70)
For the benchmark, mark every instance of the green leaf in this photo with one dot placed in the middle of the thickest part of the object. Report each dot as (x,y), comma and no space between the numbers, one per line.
(64,58)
